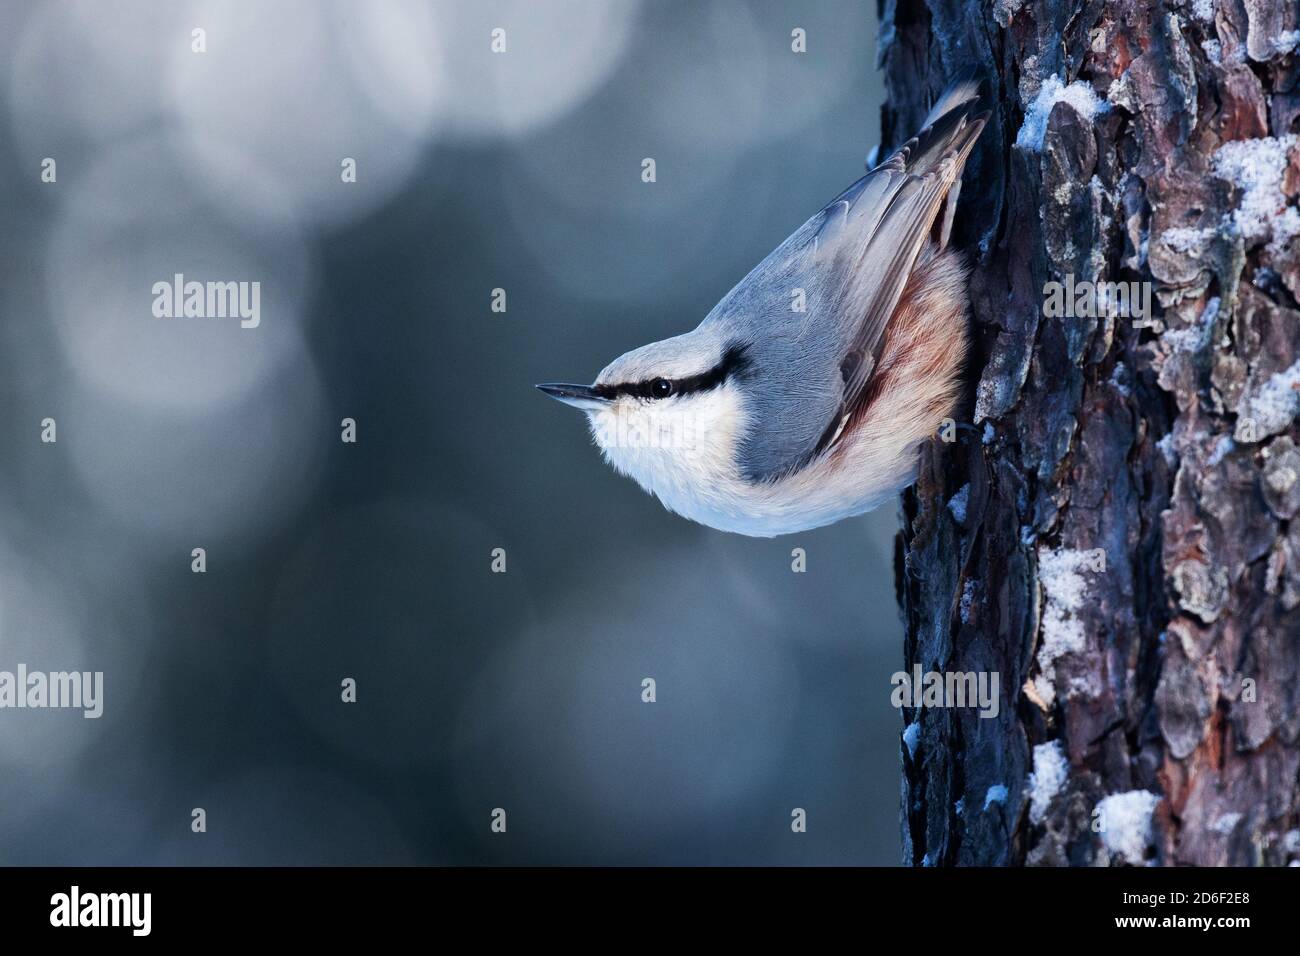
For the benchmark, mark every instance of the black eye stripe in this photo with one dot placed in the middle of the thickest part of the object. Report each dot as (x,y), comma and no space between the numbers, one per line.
(734,362)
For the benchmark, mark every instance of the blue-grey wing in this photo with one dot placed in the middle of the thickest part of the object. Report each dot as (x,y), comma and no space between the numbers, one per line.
(846,268)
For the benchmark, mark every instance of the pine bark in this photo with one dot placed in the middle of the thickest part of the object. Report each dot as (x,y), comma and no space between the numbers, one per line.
(1167,449)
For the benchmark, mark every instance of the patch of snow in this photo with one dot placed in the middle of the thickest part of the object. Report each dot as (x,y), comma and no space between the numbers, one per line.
(957,503)
(1005,10)
(1274,404)
(1193,338)
(1087,685)
(996,794)
(1203,10)
(1126,823)
(960,806)
(1256,167)
(988,433)
(1051,769)
(1078,94)
(1213,50)
(1286,41)
(1117,378)
(967,599)
(1225,823)
(1285,228)
(1211,310)
(1181,340)
(1064,587)
(1222,449)
(910,737)
(1121,93)
(1166,446)
(1185,239)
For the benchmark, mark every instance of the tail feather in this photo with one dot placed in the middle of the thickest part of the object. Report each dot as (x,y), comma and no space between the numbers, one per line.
(963,90)
(949,128)
(948,133)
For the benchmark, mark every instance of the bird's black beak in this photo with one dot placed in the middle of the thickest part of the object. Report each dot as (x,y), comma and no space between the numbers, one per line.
(579,396)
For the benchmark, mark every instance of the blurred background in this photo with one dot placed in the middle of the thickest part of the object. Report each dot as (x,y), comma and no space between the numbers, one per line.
(519,170)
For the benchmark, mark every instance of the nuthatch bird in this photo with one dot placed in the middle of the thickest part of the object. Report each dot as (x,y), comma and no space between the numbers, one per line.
(767,420)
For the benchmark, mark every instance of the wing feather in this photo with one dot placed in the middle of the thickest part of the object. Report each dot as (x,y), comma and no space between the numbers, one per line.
(811,372)
(889,255)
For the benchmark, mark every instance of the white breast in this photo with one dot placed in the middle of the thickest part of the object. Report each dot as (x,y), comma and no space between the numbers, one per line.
(684,453)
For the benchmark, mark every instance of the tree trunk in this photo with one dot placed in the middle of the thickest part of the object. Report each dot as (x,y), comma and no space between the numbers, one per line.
(1114,537)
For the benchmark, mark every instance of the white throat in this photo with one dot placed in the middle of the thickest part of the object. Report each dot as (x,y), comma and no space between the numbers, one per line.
(682,450)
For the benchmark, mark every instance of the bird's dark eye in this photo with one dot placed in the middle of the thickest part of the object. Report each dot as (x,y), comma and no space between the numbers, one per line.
(661,388)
